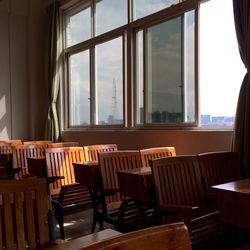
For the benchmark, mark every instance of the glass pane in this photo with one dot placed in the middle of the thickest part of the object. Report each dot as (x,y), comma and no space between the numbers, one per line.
(109,83)
(221,69)
(110,14)
(79,89)
(164,72)
(189,66)
(144,8)
(78,27)
(139,77)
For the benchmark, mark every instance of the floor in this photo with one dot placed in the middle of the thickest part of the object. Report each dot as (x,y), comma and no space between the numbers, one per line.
(79,224)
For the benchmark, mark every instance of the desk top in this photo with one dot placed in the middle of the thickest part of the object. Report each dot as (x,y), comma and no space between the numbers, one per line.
(84,241)
(137,171)
(241,186)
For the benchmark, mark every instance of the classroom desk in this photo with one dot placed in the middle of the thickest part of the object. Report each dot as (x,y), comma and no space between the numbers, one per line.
(136,183)
(233,201)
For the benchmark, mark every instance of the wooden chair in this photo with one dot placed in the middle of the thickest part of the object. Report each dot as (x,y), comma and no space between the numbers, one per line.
(181,197)
(165,237)
(217,168)
(91,151)
(6,147)
(13,141)
(123,213)
(22,152)
(63,144)
(40,142)
(24,214)
(71,196)
(148,154)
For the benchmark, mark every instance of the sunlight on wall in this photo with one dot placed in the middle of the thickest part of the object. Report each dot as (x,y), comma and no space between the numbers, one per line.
(4,131)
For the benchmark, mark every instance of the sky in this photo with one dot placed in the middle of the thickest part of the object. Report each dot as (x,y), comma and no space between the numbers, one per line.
(221,69)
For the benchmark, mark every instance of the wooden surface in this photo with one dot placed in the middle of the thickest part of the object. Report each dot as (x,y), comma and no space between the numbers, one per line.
(82,242)
(148,154)
(136,183)
(234,202)
(166,237)
(24,214)
(92,151)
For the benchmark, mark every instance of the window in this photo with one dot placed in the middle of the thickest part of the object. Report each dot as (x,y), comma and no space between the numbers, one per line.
(133,63)
(169,71)
(221,69)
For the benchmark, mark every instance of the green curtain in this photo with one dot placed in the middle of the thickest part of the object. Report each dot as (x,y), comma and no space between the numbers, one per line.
(241,135)
(52,131)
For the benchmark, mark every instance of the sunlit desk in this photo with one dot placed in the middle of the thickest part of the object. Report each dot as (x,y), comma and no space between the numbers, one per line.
(233,201)
(80,243)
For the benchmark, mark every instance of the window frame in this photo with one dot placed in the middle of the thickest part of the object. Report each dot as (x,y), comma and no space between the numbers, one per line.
(128,32)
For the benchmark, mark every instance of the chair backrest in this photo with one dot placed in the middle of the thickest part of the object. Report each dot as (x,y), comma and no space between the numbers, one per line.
(148,154)
(23,214)
(219,167)
(14,141)
(63,144)
(178,181)
(60,163)
(165,237)
(22,152)
(110,162)
(43,142)
(91,151)
(6,147)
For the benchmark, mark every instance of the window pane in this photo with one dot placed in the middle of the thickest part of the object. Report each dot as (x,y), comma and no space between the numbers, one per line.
(164,76)
(78,27)
(109,83)
(79,89)
(221,69)
(110,14)
(189,66)
(144,8)
(139,77)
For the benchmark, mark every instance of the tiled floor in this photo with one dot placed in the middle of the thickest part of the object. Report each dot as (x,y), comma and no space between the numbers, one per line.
(77,225)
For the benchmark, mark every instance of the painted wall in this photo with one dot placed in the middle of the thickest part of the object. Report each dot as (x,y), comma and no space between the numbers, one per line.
(185,142)
(23,85)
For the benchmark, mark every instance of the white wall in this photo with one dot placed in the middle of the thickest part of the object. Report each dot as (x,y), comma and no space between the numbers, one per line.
(23,25)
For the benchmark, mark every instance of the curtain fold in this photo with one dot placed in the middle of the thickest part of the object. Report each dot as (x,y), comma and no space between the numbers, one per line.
(241,135)
(52,131)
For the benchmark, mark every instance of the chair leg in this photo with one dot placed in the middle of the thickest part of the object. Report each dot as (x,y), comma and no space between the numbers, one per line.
(59,217)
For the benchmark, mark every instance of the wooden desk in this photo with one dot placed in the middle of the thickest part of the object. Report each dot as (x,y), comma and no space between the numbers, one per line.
(233,200)
(136,183)
(84,241)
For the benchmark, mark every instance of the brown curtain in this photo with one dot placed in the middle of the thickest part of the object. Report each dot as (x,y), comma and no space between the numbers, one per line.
(52,131)
(241,136)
